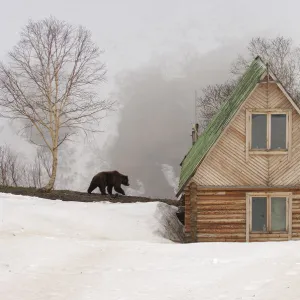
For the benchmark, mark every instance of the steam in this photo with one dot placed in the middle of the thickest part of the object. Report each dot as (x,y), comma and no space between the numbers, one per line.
(140,191)
(158,112)
(170,176)
(150,134)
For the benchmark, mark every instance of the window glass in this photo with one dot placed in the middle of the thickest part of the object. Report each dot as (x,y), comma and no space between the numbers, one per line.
(278,214)
(259,131)
(259,213)
(278,131)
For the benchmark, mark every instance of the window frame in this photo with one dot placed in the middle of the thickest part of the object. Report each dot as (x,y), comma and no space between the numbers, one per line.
(288,228)
(268,150)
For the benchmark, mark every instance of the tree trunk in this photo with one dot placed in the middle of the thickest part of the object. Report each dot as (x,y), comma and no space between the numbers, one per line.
(51,182)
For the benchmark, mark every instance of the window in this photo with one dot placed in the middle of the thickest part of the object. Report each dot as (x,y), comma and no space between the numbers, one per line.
(278,213)
(268,132)
(278,131)
(269,213)
(259,214)
(259,131)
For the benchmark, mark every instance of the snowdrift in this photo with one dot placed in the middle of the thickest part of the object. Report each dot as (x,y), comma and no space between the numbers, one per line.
(153,221)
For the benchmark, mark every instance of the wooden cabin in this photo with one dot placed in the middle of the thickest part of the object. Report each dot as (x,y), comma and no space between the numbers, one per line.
(241,178)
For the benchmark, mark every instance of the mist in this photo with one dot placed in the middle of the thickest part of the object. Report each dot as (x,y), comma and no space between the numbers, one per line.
(149,134)
(158,113)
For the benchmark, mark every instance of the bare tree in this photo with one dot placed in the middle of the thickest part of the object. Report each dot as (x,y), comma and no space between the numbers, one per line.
(213,96)
(283,58)
(9,167)
(50,83)
(44,160)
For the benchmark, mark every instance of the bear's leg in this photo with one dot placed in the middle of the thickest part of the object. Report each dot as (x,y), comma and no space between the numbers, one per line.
(119,190)
(102,189)
(91,187)
(109,189)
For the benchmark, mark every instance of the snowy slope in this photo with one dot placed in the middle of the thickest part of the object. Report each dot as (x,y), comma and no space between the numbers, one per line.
(64,250)
(97,221)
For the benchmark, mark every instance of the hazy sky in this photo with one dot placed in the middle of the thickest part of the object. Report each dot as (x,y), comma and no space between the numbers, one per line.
(165,35)
(133,31)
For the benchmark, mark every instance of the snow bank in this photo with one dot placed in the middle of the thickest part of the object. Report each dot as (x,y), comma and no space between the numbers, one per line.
(170,227)
(151,221)
(90,251)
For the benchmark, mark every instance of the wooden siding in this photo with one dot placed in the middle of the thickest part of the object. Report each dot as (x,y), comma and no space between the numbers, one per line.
(268,237)
(296,218)
(221,216)
(226,163)
(187,215)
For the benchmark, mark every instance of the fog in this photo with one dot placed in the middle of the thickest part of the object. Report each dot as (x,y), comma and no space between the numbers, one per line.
(149,134)
(157,54)
(158,113)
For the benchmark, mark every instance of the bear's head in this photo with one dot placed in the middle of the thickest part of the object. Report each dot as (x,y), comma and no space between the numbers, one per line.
(125,180)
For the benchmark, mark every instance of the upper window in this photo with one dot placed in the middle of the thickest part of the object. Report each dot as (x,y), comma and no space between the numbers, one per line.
(269,131)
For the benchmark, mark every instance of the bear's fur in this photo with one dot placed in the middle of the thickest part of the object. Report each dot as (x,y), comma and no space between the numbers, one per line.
(109,179)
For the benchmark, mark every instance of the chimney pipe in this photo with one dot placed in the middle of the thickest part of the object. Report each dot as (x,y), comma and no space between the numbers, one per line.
(195,133)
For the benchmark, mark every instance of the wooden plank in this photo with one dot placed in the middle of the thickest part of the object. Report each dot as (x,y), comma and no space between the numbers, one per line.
(271,153)
(247,218)
(222,226)
(269,110)
(268,131)
(221,217)
(295,226)
(187,215)
(270,239)
(268,235)
(222,212)
(217,198)
(222,207)
(269,212)
(225,197)
(248,138)
(225,221)
(218,230)
(249,188)
(218,202)
(273,194)
(290,216)
(289,135)
(231,236)
(226,194)
(228,240)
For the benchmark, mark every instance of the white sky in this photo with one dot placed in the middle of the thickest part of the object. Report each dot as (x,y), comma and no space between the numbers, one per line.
(134,32)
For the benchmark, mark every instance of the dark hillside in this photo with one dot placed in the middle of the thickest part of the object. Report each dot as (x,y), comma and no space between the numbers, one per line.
(66,195)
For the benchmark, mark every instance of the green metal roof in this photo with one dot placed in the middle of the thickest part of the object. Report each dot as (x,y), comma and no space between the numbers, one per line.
(214,129)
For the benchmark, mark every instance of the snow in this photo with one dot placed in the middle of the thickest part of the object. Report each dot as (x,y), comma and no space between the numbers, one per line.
(70,250)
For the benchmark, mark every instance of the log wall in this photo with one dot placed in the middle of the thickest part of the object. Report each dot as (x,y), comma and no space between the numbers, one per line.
(221,216)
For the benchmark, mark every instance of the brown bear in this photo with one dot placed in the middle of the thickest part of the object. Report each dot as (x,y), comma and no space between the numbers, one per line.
(108,179)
